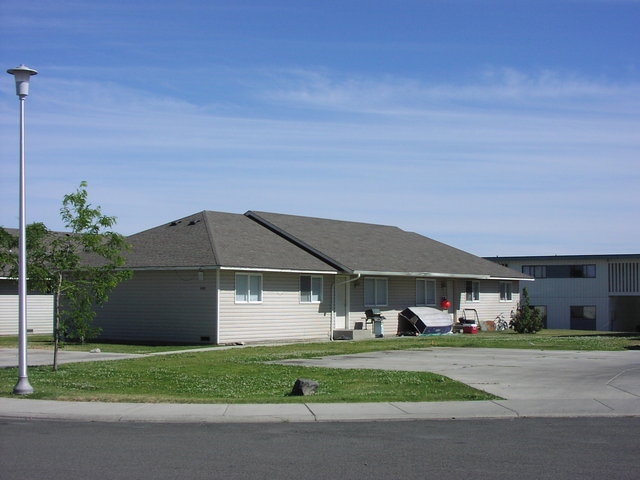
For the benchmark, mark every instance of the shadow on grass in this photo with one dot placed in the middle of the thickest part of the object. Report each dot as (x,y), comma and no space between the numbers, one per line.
(583,333)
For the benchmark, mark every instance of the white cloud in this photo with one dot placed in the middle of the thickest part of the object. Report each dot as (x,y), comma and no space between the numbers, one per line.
(514,161)
(494,88)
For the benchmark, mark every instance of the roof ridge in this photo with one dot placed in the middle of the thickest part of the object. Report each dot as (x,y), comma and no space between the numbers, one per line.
(296,241)
(212,243)
(326,219)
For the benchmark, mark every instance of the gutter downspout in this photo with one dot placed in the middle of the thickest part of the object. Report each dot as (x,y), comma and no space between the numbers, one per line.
(333,302)
(217,306)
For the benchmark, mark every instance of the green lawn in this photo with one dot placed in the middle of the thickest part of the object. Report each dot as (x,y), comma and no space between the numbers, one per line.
(240,375)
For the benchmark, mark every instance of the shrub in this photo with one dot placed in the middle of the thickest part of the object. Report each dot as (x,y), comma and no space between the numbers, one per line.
(526,319)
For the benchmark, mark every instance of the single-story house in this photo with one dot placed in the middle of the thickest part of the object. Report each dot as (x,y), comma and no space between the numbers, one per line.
(221,278)
(583,292)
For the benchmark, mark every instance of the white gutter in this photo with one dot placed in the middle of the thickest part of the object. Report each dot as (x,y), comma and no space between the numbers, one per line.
(218,306)
(525,279)
(243,269)
(164,269)
(279,270)
(437,275)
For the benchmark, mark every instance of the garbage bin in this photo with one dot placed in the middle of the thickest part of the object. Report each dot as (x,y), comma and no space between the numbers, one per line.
(378,330)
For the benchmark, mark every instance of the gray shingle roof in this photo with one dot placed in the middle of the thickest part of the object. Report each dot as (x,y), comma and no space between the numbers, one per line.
(368,248)
(216,239)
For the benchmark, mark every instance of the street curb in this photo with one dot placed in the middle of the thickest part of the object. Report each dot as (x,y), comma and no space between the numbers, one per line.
(27,409)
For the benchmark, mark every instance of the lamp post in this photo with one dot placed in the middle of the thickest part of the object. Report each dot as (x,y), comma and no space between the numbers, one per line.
(22,75)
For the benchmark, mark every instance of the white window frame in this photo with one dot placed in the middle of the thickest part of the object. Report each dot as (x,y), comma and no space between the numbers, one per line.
(380,288)
(474,295)
(422,290)
(506,292)
(252,293)
(314,294)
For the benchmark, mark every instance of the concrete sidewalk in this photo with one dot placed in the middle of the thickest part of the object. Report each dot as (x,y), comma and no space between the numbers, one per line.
(534,383)
(311,412)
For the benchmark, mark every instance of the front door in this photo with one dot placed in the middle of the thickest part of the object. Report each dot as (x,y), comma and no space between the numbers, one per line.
(342,302)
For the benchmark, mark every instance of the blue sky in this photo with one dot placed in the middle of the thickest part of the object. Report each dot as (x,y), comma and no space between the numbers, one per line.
(499,127)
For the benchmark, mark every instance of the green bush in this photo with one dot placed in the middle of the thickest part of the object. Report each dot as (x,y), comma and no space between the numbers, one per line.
(526,319)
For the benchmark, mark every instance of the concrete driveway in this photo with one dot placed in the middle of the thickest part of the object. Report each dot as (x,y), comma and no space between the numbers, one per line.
(35,357)
(511,373)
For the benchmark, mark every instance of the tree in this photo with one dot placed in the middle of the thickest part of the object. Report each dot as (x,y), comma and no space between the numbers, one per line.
(79,267)
(526,319)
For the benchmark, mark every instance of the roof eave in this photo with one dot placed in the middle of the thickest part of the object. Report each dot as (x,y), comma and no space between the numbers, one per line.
(473,276)
(280,270)
(197,268)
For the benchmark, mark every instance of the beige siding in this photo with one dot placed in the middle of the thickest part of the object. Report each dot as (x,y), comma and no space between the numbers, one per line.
(39,314)
(178,306)
(279,317)
(489,306)
(171,306)
(402,294)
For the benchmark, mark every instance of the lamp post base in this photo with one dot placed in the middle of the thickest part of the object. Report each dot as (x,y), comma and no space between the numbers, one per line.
(23,387)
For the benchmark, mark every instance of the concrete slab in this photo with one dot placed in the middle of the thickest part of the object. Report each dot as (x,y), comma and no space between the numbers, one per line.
(268,412)
(452,410)
(629,407)
(627,381)
(355,411)
(579,407)
(170,413)
(25,408)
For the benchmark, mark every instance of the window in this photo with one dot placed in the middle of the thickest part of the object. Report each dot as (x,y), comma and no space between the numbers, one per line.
(535,271)
(425,292)
(560,271)
(571,271)
(583,271)
(310,289)
(505,292)
(473,291)
(583,317)
(248,288)
(375,292)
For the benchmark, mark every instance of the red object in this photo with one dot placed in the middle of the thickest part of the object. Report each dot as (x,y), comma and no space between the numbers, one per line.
(445,304)
(473,329)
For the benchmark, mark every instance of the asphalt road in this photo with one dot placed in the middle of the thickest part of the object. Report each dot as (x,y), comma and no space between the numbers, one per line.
(523,449)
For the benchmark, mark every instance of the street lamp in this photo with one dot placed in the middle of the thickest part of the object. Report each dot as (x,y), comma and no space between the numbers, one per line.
(22,75)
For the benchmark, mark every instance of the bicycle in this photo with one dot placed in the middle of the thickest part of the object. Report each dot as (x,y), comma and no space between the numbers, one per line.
(501,323)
